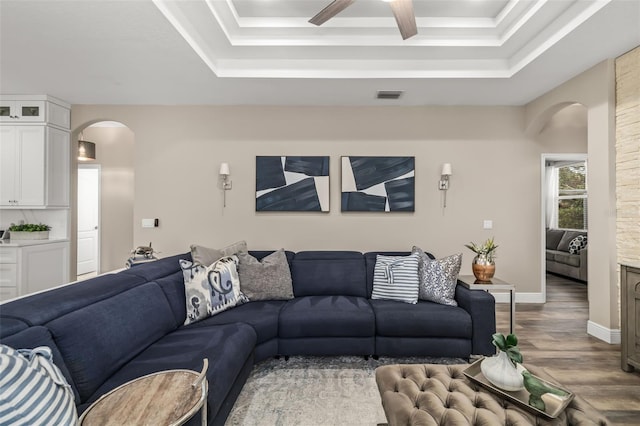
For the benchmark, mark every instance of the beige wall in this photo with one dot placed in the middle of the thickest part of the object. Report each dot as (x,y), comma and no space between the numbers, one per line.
(496,175)
(115,155)
(595,89)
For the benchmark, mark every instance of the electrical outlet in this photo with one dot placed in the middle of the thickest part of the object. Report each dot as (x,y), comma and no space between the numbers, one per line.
(147,223)
(487,224)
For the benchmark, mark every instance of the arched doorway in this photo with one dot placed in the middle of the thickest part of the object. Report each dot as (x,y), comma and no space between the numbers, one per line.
(114,163)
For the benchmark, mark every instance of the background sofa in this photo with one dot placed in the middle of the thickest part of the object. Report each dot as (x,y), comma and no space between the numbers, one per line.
(111,329)
(559,260)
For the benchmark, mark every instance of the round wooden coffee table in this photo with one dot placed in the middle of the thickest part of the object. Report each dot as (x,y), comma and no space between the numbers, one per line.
(165,398)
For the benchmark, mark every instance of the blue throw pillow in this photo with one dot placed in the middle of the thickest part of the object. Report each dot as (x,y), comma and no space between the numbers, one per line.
(396,278)
(211,289)
(33,391)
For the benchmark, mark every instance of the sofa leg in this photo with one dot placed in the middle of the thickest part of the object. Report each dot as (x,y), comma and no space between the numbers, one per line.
(366,357)
(376,357)
(286,357)
(276,357)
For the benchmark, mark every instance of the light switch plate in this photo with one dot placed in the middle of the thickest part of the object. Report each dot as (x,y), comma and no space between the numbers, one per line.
(147,223)
(488,224)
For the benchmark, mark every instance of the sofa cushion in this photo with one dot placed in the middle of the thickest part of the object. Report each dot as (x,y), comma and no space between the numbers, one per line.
(424,319)
(150,271)
(324,316)
(325,273)
(43,307)
(563,245)
(10,325)
(396,278)
(567,258)
(173,288)
(211,289)
(266,279)
(550,254)
(40,336)
(553,237)
(227,347)
(135,319)
(262,316)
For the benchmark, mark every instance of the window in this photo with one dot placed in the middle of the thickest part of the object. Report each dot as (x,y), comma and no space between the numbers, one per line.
(572,196)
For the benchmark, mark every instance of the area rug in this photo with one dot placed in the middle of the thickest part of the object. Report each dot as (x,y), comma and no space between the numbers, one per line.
(316,391)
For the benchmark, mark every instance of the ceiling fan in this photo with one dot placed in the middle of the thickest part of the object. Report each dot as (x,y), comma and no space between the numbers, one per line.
(402,10)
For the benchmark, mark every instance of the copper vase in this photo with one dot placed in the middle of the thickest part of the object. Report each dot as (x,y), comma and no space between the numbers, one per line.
(483,268)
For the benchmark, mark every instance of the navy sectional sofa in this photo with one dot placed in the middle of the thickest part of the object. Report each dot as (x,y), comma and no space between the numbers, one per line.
(116,327)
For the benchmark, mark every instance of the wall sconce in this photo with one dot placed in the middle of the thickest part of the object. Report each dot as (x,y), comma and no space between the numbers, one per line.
(226,183)
(444,180)
(86,150)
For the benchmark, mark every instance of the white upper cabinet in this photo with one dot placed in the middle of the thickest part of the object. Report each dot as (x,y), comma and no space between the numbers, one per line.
(34,157)
(34,109)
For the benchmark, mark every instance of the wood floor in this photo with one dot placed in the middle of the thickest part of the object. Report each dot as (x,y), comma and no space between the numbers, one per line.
(554,336)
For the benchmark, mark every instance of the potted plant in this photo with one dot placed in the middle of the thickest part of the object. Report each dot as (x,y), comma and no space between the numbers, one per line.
(483,264)
(504,370)
(29,231)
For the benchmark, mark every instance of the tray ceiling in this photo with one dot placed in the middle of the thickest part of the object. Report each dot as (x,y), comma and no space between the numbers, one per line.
(252,51)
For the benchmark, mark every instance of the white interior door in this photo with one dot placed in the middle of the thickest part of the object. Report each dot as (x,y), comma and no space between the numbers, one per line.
(88,218)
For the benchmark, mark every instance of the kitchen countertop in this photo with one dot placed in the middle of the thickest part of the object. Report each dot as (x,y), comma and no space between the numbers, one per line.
(24,243)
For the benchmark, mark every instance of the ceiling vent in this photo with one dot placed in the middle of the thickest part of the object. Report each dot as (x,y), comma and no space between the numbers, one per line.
(389,94)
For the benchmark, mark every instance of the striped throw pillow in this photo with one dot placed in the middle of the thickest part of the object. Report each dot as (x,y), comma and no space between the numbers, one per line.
(396,278)
(33,391)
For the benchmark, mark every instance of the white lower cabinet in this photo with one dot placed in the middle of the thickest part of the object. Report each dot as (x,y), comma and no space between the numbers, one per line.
(32,268)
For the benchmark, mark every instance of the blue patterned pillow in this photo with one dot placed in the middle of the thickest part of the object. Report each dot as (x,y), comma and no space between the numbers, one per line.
(396,278)
(212,289)
(33,391)
(438,277)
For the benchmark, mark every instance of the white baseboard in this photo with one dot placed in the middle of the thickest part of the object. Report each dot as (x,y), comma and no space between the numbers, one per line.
(611,336)
(520,297)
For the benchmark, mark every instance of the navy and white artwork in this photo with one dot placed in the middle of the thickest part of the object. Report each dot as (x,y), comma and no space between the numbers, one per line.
(292,183)
(378,184)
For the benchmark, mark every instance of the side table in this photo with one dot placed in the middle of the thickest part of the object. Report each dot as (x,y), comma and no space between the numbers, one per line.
(471,283)
(169,397)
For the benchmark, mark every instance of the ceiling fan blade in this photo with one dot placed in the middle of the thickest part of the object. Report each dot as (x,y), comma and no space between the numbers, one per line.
(330,11)
(403,11)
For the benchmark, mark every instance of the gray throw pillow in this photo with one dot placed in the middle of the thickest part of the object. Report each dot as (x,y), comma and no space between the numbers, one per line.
(268,279)
(396,278)
(206,256)
(438,277)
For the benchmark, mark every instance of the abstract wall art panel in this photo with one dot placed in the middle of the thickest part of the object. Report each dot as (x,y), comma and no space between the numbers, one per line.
(378,184)
(292,183)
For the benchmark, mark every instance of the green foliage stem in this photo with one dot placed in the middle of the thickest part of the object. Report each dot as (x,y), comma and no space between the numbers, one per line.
(509,345)
(30,227)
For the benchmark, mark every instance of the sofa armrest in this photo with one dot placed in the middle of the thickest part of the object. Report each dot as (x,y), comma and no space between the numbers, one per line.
(481,305)
(584,265)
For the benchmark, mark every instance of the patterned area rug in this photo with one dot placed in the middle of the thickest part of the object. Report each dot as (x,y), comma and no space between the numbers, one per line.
(316,391)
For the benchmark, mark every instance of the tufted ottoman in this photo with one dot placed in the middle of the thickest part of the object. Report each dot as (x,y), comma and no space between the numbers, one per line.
(430,394)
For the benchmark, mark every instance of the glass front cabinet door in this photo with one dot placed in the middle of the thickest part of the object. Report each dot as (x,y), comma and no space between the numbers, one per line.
(22,111)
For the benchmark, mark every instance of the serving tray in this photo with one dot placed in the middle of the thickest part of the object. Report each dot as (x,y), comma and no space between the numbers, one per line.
(554,404)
